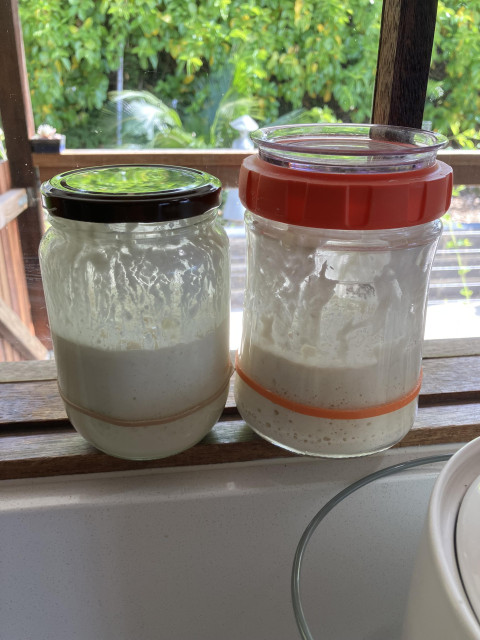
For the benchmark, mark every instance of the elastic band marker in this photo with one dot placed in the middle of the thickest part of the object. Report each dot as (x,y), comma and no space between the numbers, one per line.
(330,414)
(153,422)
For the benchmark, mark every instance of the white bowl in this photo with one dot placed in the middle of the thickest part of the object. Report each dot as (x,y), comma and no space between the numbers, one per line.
(467,543)
(438,606)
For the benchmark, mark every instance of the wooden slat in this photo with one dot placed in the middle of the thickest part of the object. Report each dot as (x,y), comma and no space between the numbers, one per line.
(38,440)
(31,402)
(17,334)
(32,456)
(13,284)
(28,391)
(405,49)
(446,379)
(65,452)
(28,371)
(7,349)
(451,347)
(452,419)
(13,299)
(465,165)
(16,274)
(12,203)
(222,163)
(5,182)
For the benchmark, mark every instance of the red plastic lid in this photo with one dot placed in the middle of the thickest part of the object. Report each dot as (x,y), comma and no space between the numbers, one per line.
(356,201)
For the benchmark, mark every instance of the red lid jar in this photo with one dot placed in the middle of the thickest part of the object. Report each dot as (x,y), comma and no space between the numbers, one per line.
(342,225)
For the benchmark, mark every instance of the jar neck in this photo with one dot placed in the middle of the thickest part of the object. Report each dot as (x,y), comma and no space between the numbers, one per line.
(142,229)
(346,239)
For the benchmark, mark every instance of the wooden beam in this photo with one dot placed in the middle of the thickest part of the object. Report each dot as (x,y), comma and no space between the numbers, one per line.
(222,163)
(12,203)
(8,353)
(406,42)
(465,165)
(17,334)
(5,182)
(18,125)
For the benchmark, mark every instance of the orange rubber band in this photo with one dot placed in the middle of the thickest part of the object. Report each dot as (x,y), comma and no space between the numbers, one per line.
(330,414)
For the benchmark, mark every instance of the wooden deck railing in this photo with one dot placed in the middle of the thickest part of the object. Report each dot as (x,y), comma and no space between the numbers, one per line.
(222,163)
(17,338)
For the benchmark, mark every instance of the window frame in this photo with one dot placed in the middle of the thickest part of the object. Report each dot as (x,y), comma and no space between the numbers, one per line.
(37,439)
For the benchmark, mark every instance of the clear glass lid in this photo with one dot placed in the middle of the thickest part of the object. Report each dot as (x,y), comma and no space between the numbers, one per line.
(348,148)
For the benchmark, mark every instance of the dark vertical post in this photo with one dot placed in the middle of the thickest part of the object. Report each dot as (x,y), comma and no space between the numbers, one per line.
(406,42)
(18,126)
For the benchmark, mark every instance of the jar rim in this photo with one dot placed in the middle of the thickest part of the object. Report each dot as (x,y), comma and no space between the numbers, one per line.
(348,148)
(131,193)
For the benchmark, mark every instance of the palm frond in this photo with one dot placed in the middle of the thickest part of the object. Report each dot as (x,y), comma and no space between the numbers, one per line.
(176,139)
(230,108)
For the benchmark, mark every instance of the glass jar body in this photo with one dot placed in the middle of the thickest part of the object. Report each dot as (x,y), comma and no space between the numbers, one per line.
(139,316)
(333,320)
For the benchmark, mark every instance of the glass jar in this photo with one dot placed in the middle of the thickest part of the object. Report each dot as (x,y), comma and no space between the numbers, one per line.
(135,269)
(342,225)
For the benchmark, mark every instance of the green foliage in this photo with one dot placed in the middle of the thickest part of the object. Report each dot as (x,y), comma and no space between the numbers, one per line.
(140,120)
(455,242)
(204,57)
(3,151)
(453,100)
(143,119)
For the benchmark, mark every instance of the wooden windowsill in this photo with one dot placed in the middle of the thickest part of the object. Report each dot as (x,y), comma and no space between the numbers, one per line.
(36,439)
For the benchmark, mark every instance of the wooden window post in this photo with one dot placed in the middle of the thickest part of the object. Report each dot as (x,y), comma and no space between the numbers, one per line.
(17,120)
(405,50)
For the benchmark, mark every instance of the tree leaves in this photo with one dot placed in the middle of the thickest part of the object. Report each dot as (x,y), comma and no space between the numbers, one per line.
(284,56)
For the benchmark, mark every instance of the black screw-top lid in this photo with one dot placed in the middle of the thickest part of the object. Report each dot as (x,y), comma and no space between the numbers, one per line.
(131,193)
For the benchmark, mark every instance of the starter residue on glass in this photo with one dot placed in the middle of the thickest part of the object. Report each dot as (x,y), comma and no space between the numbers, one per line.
(343,331)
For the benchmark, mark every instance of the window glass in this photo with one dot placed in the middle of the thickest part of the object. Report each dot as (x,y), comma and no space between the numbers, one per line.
(453,100)
(452,107)
(175,74)
(454,295)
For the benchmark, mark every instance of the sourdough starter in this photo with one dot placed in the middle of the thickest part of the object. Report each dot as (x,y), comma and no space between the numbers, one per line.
(328,387)
(139,384)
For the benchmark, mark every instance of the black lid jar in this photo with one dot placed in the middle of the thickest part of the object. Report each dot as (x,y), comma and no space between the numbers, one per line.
(135,268)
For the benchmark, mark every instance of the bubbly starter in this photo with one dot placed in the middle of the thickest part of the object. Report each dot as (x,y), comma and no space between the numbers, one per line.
(343,330)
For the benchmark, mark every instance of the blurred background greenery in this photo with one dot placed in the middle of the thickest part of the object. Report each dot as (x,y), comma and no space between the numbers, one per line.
(174,73)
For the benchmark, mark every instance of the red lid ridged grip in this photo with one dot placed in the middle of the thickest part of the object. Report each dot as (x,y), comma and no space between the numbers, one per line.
(345,201)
